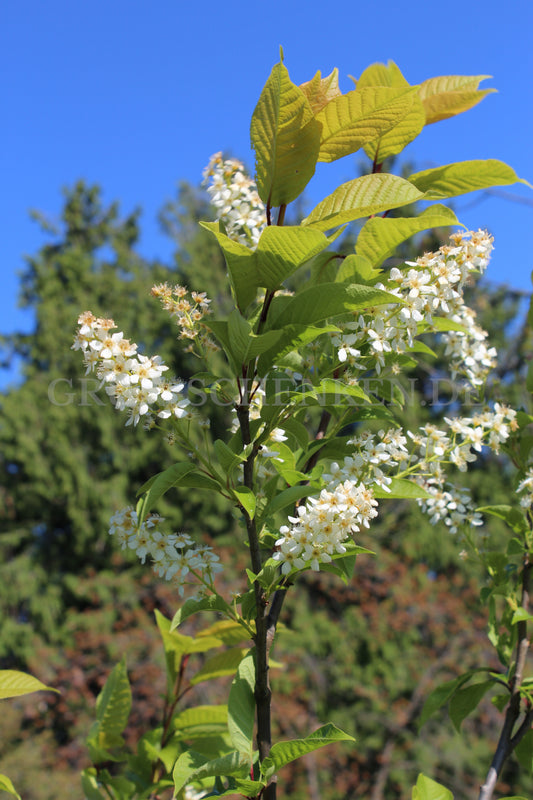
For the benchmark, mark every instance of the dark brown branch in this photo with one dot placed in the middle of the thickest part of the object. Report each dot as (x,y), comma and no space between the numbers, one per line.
(507,741)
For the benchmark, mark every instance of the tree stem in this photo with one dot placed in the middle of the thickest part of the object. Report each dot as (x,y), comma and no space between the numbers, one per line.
(263,642)
(507,742)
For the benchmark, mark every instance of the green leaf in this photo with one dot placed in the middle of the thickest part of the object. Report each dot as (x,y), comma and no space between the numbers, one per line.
(362,197)
(359,117)
(241,264)
(226,457)
(191,606)
(452,180)
(401,488)
(288,497)
(292,338)
(283,250)
(247,499)
(159,485)
(14,684)
(113,706)
(244,788)
(380,236)
(379,74)
(192,766)
(241,707)
(356,269)
(286,138)
(221,664)
(201,721)
(284,752)
(512,516)
(227,631)
(464,701)
(89,785)
(521,615)
(7,786)
(328,300)
(448,95)
(524,752)
(440,696)
(427,789)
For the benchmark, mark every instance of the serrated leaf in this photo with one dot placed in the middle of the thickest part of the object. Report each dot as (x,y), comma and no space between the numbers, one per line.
(221,664)
(283,753)
(404,132)
(380,236)
(286,139)
(283,250)
(428,789)
(192,766)
(449,95)
(357,269)
(363,197)
(462,177)
(14,684)
(113,706)
(511,515)
(7,786)
(292,338)
(241,264)
(241,707)
(466,700)
(191,606)
(360,117)
(319,91)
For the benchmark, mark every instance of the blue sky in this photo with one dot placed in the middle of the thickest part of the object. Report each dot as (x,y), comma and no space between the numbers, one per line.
(137,95)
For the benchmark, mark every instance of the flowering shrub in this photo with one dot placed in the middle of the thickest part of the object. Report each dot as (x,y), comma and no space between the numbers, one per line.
(316,444)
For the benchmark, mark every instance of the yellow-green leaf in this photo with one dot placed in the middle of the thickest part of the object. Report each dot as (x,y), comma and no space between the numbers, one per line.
(7,786)
(380,236)
(395,140)
(15,684)
(362,197)
(319,91)
(359,117)
(448,95)
(240,261)
(382,75)
(282,250)
(462,177)
(286,139)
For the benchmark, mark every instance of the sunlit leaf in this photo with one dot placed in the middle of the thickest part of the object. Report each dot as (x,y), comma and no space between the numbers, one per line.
(319,91)
(362,197)
(286,139)
(360,117)
(448,95)
(380,236)
(283,753)
(452,180)
(427,789)
(14,684)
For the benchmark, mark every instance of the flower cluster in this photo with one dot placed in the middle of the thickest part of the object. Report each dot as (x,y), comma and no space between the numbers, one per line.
(432,286)
(323,525)
(174,556)
(235,197)
(187,309)
(134,382)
